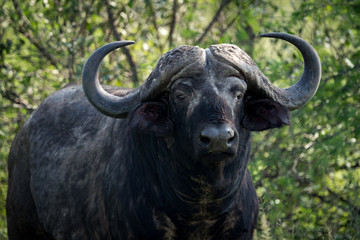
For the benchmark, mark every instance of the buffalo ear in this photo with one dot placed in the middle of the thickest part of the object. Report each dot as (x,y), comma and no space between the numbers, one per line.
(263,114)
(152,117)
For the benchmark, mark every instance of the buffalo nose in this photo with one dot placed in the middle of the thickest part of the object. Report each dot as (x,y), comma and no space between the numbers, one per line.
(218,139)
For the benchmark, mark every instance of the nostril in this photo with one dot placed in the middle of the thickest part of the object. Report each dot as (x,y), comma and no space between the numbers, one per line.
(208,135)
(205,140)
(230,140)
(231,136)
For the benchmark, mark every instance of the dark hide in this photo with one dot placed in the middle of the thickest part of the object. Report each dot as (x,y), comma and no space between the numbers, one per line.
(77,174)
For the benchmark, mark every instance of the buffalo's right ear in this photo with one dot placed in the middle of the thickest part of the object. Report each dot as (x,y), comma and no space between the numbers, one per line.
(152,117)
(263,114)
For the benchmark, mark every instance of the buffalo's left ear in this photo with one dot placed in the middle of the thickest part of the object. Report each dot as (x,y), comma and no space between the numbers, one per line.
(152,117)
(262,114)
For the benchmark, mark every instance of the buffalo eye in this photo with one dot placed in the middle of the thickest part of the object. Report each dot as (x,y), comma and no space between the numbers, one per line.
(182,93)
(237,92)
(239,96)
(180,96)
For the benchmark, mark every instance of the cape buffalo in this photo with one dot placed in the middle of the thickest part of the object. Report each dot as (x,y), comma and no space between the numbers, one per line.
(167,160)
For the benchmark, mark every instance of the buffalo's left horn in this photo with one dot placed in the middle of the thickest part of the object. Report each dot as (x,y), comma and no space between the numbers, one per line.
(305,88)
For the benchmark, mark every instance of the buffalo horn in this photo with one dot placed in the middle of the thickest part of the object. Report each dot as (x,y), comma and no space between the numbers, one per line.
(126,100)
(108,104)
(304,89)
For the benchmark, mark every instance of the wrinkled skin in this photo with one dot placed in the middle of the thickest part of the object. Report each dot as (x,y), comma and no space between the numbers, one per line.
(157,174)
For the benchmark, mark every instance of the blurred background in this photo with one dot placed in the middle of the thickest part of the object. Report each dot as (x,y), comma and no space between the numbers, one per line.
(307,174)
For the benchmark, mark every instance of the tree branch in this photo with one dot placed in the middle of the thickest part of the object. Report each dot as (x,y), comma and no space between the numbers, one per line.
(344,200)
(153,18)
(126,51)
(82,27)
(337,197)
(341,73)
(23,28)
(223,31)
(173,23)
(214,19)
(18,106)
(16,100)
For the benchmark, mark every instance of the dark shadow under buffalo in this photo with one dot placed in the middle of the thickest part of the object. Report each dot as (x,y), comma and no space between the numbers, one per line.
(167,160)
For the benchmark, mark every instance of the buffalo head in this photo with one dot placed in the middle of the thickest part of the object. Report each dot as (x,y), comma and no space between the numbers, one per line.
(206,99)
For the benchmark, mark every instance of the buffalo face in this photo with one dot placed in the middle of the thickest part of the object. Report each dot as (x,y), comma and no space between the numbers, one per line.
(206,109)
(206,99)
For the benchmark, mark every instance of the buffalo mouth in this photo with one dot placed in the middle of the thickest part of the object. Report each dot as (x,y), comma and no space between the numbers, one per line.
(216,157)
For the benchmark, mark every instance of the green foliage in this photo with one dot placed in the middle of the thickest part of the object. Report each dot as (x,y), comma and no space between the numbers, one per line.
(307,175)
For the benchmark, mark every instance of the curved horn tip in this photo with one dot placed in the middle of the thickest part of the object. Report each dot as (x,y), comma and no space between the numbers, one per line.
(272,34)
(118,44)
(295,40)
(280,35)
(126,42)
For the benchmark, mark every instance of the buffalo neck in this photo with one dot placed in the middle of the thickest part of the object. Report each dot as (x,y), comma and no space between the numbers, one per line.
(171,181)
(194,188)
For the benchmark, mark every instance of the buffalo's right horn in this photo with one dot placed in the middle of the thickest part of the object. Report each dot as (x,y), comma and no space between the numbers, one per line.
(108,104)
